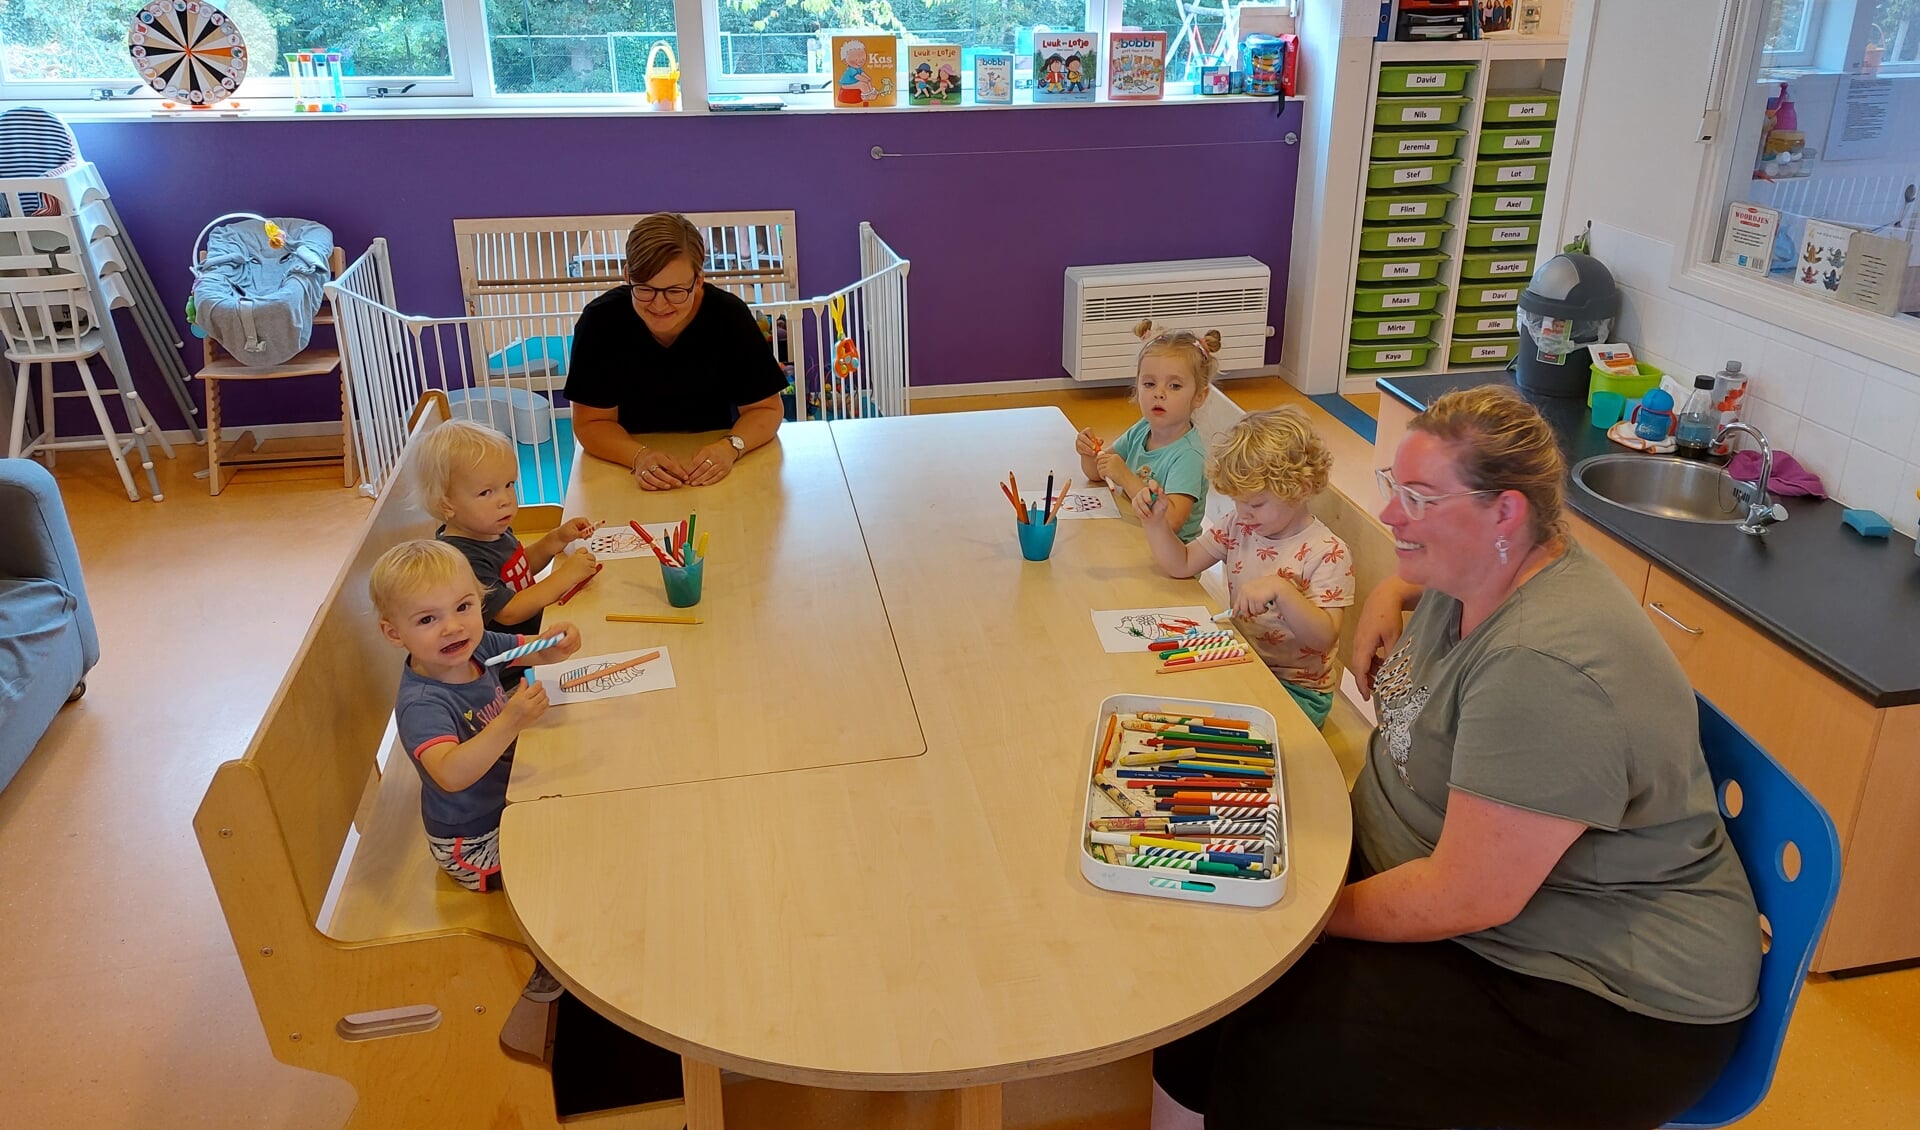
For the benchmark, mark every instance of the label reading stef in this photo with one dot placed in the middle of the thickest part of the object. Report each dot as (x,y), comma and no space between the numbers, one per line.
(1415,175)
(1419,209)
(1515,173)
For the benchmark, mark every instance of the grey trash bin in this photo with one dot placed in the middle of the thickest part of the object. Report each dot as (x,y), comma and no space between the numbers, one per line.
(1568,305)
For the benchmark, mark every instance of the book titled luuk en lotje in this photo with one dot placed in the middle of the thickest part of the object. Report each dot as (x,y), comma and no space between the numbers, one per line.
(1136,65)
(1066,66)
(933,74)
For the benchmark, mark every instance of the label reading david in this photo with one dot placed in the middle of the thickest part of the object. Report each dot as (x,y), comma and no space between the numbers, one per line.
(1493,297)
(1427,79)
(1419,209)
(1515,173)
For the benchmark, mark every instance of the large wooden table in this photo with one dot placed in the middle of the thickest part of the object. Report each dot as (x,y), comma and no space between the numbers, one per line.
(876,920)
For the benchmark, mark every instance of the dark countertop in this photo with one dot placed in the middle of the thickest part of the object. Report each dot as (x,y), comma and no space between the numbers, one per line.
(1847,604)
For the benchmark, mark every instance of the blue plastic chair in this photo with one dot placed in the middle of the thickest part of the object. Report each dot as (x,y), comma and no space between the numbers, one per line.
(1773,811)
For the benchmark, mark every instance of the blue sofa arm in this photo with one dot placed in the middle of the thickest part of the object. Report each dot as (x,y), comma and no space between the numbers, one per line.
(37,542)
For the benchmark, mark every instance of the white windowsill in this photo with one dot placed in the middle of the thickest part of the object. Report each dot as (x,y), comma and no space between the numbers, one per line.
(1891,340)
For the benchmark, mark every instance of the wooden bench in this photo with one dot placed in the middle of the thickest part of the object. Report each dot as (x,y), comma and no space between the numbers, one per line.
(402,981)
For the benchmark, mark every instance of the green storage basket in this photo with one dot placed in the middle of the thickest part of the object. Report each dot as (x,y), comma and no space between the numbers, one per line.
(1407,207)
(1485,351)
(1486,323)
(1394,327)
(1404,113)
(1493,266)
(1408,355)
(1416,299)
(1424,78)
(1504,233)
(1415,145)
(1629,387)
(1501,204)
(1493,295)
(1414,237)
(1411,174)
(1399,268)
(1530,172)
(1520,107)
(1536,141)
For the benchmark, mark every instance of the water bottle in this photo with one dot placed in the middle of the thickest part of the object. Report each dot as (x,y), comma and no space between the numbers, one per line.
(1653,417)
(1729,392)
(1694,430)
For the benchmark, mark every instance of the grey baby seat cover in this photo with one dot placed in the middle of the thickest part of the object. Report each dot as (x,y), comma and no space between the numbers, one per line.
(259,300)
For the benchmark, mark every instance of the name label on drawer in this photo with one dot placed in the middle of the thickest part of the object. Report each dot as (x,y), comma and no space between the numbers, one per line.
(1419,209)
(1527,110)
(1507,267)
(1400,271)
(1397,301)
(1415,175)
(1492,325)
(1428,78)
(1514,173)
(1489,353)
(1420,114)
(1417,145)
(1513,203)
(1523,141)
(1512,235)
(1489,297)
(1407,239)
(1394,329)
(1389,356)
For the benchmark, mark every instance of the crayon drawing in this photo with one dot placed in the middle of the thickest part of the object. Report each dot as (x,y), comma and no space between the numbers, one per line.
(654,675)
(1079,504)
(1132,629)
(612,543)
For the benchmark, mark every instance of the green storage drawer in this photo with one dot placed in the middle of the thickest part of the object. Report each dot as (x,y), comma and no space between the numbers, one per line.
(1490,351)
(1410,355)
(1520,107)
(1399,113)
(1522,203)
(1485,323)
(1399,268)
(1424,78)
(1413,145)
(1393,327)
(1411,174)
(1525,173)
(1415,299)
(1414,237)
(1512,142)
(1503,233)
(1481,295)
(1492,266)
(1407,207)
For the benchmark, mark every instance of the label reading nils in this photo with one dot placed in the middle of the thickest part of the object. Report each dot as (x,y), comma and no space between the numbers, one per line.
(1420,114)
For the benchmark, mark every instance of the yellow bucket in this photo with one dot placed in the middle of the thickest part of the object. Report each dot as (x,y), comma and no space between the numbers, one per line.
(663,80)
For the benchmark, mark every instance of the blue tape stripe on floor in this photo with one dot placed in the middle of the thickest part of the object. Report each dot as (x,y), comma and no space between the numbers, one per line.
(1348,413)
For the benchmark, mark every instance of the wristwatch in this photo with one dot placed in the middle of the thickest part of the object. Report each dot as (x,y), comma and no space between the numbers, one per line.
(739,445)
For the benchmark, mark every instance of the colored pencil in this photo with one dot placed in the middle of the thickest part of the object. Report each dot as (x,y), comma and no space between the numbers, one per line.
(1015,499)
(693,520)
(527,648)
(569,594)
(700,546)
(624,618)
(590,676)
(1058,501)
(1192,720)
(1046,502)
(1205,666)
(651,544)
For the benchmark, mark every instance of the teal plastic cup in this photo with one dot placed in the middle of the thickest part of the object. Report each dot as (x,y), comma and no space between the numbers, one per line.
(1607,407)
(683,584)
(1036,536)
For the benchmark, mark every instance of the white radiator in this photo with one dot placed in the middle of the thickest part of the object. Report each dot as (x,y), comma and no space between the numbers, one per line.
(1107,305)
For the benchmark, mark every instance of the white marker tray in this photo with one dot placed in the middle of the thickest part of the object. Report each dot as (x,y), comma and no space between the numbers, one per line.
(1135,880)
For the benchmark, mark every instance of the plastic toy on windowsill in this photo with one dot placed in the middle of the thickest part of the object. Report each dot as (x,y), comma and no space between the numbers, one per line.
(322,73)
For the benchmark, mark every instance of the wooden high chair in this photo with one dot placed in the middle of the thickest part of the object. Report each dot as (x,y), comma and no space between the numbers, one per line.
(220,365)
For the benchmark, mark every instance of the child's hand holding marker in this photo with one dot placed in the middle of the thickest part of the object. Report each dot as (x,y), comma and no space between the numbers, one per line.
(1113,469)
(1086,444)
(1259,595)
(575,529)
(1150,502)
(525,707)
(569,637)
(576,566)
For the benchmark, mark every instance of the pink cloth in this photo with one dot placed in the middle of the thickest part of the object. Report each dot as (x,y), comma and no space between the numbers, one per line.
(1788,478)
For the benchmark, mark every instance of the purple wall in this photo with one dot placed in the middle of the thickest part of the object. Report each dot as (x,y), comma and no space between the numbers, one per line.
(1006,204)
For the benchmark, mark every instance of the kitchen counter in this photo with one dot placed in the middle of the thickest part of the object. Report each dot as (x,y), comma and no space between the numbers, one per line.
(1847,604)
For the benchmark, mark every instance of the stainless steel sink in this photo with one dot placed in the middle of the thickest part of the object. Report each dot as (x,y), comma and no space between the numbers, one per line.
(1664,487)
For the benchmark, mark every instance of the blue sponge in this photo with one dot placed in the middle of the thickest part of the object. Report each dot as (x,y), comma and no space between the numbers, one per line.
(1867,523)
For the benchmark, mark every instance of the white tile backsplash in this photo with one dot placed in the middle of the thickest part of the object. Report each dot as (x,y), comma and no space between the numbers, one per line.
(1871,480)
(1906,507)
(1785,371)
(1887,416)
(1782,427)
(1833,395)
(1822,451)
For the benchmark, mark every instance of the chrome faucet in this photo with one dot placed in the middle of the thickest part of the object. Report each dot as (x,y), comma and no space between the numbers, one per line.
(1761,510)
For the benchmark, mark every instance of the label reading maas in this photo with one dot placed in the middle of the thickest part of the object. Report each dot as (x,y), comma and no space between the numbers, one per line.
(1415,209)
(1399,301)
(1515,173)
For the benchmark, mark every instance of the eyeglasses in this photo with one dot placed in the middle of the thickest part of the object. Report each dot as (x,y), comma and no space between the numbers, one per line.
(1412,501)
(675,295)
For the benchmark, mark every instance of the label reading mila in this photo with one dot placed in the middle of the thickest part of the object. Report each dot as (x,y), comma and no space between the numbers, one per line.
(1415,175)
(1418,209)
(1515,173)
(1400,271)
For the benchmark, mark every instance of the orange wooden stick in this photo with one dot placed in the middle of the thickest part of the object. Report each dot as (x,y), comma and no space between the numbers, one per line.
(1015,499)
(1163,669)
(582,680)
(1106,743)
(1059,499)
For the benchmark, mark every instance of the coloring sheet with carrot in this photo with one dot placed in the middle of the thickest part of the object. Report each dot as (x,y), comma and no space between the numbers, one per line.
(616,540)
(1077,504)
(1132,629)
(589,678)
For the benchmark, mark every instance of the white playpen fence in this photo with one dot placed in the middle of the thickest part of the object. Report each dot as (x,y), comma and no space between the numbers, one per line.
(504,361)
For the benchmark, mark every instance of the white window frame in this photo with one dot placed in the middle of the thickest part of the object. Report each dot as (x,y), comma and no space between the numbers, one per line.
(1728,163)
(1808,39)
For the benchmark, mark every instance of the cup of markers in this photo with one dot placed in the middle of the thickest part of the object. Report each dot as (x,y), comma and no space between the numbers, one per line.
(1036,525)
(683,559)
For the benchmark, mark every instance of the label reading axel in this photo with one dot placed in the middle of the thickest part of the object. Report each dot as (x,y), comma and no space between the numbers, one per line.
(1390,356)
(1417,145)
(1407,239)
(1515,173)
(1419,209)
(1400,271)
(1522,141)
(1415,175)
(1395,301)
(1513,204)
(1512,235)
(1420,114)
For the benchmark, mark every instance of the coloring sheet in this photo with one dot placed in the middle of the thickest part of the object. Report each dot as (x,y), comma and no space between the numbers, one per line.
(614,542)
(1132,629)
(655,674)
(1079,504)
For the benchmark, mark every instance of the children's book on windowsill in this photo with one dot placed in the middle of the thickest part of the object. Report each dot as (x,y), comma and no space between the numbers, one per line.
(864,66)
(1136,66)
(933,74)
(993,78)
(1066,66)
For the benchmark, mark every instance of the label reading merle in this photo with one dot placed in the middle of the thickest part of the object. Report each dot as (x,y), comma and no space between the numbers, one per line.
(1512,235)
(1527,110)
(1407,239)
(1390,356)
(1415,175)
(1513,204)
(1515,172)
(1418,145)
(1419,209)
(1420,114)
(1522,141)
(1400,271)
(1395,301)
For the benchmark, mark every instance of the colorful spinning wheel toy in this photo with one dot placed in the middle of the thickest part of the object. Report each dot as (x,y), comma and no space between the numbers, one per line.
(188,50)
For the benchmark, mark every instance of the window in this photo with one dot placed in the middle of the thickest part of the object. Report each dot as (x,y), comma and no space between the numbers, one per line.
(576,46)
(1787,34)
(1893,36)
(1194,28)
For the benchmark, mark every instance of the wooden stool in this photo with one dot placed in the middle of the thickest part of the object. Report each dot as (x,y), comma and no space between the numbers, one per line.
(221,365)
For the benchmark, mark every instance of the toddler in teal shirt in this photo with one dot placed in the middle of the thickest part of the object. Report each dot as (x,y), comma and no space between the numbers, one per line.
(1174,373)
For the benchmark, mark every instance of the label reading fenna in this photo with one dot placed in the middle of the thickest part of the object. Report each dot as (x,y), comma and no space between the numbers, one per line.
(1419,209)
(1513,204)
(1400,271)
(1515,172)
(1407,239)
(1512,235)
(1522,141)
(1395,301)
(1417,145)
(1420,114)
(1415,175)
